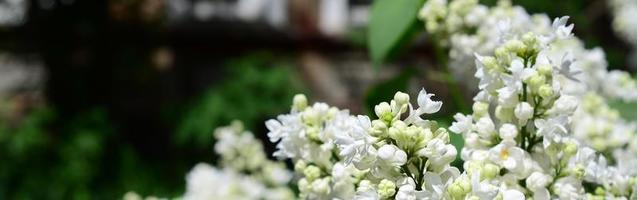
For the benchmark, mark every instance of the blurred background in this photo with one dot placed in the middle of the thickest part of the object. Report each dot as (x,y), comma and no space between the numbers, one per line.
(98,98)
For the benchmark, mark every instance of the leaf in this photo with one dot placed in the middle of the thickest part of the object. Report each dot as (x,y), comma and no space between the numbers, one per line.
(392,24)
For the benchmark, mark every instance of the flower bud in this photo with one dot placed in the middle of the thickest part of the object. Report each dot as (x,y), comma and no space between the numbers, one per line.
(523,111)
(536,80)
(570,149)
(459,188)
(312,172)
(299,166)
(600,191)
(529,39)
(303,185)
(378,127)
(515,46)
(386,189)
(455,191)
(310,116)
(508,132)
(489,62)
(545,91)
(321,186)
(312,132)
(383,111)
(545,69)
(504,114)
(480,108)
(502,53)
(299,102)
(490,171)
(392,154)
(401,98)
(578,171)
(538,180)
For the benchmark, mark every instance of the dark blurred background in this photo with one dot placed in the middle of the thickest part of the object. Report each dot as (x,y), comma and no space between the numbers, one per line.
(101,97)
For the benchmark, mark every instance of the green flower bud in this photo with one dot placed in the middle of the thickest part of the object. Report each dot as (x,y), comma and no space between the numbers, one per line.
(536,80)
(310,116)
(299,102)
(299,166)
(515,46)
(383,111)
(459,188)
(529,39)
(386,189)
(578,171)
(600,191)
(545,69)
(489,62)
(502,53)
(545,91)
(490,171)
(313,133)
(570,149)
(312,173)
(456,191)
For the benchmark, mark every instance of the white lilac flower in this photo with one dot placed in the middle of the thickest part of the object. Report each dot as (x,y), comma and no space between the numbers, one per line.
(207,182)
(529,135)
(239,153)
(411,152)
(572,69)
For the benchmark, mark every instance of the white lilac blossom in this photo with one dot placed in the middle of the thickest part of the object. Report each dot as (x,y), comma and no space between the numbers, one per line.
(308,136)
(398,155)
(411,152)
(464,27)
(585,71)
(521,128)
(244,173)
(208,182)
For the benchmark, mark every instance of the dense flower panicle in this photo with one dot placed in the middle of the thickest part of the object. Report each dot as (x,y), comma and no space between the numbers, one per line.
(307,136)
(585,69)
(465,27)
(521,129)
(245,172)
(398,155)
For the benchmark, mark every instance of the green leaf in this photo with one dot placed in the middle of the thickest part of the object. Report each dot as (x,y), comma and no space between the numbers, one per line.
(392,24)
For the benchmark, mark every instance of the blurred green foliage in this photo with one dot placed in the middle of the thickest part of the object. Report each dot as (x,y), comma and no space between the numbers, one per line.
(393,23)
(46,155)
(40,164)
(255,88)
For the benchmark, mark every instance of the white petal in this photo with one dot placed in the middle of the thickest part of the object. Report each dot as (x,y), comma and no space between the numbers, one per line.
(426,104)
